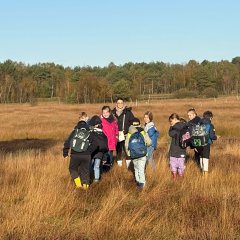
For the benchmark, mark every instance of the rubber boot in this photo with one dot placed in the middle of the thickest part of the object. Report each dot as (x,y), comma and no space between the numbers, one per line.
(174,176)
(205,173)
(85,186)
(77,182)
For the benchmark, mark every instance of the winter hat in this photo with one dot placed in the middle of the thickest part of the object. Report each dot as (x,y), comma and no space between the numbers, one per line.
(136,122)
(95,120)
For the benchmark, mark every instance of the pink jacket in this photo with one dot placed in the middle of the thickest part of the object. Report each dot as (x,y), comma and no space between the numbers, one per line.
(111,131)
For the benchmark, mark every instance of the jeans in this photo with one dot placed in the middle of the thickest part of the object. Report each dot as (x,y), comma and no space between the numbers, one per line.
(139,169)
(150,159)
(96,168)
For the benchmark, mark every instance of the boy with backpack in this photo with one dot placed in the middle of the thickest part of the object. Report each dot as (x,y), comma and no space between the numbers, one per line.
(136,144)
(83,144)
(202,138)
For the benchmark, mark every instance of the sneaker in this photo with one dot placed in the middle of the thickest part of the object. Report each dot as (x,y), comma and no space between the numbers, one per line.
(96,180)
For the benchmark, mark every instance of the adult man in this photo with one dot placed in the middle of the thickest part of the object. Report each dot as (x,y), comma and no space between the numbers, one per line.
(124,118)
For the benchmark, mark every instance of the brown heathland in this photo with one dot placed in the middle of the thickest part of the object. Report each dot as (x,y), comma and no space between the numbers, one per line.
(38,199)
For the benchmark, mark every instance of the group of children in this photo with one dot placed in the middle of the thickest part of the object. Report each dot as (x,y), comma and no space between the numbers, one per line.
(92,143)
(202,150)
(117,130)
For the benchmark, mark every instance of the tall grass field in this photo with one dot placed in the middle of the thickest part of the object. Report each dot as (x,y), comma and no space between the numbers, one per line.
(38,199)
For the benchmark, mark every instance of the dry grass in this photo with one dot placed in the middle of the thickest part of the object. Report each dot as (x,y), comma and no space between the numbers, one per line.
(38,199)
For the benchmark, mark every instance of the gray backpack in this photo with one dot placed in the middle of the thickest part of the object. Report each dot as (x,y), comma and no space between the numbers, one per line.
(80,140)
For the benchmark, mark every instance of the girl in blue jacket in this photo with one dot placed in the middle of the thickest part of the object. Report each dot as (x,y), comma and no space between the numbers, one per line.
(153,133)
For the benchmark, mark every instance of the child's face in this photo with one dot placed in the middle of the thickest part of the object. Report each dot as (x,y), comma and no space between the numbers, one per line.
(146,119)
(191,115)
(173,121)
(83,118)
(106,113)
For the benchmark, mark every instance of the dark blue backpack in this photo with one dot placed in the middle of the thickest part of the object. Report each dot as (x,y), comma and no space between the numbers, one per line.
(137,146)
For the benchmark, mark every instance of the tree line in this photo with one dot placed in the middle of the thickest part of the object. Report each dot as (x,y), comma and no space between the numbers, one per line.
(20,83)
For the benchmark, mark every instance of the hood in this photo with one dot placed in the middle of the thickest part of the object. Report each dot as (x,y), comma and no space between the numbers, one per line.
(179,125)
(82,124)
(149,125)
(206,120)
(132,130)
(195,120)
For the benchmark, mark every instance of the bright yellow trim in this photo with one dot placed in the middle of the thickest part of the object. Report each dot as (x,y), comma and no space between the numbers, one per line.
(77,182)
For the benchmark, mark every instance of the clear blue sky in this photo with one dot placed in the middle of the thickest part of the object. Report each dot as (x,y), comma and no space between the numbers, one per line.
(97,32)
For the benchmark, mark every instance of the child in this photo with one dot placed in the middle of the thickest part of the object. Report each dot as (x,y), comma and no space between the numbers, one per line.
(110,129)
(96,125)
(204,152)
(83,144)
(150,128)
(136,143)
(194,119)
(177,154)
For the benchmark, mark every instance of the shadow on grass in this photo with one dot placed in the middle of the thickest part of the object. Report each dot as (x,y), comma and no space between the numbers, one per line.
(17,145)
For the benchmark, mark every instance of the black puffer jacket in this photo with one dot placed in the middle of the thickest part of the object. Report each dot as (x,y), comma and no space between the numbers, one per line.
(174,133)
(195,120)
(94,142)
(102,142)
(128,119)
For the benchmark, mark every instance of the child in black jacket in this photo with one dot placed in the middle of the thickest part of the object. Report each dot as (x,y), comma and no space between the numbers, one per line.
(177,154)
(96,125)
(81,162)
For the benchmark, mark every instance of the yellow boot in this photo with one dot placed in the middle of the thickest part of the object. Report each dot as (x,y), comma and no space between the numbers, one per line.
(85,186)
(77,182)
(205,174)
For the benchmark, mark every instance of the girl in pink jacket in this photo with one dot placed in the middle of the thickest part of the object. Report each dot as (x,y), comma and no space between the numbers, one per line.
(110,129)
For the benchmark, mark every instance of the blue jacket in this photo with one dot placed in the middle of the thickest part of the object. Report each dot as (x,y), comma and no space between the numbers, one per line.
(152,132)
(212,133)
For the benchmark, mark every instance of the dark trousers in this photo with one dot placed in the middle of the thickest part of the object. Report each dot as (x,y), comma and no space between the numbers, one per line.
(204,152)
(119,149)
(80,165)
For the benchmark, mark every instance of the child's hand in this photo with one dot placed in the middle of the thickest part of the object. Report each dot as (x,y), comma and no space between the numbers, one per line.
(218,137)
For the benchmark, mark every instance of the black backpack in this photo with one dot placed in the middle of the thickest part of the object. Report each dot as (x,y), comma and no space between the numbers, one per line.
(80,140)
